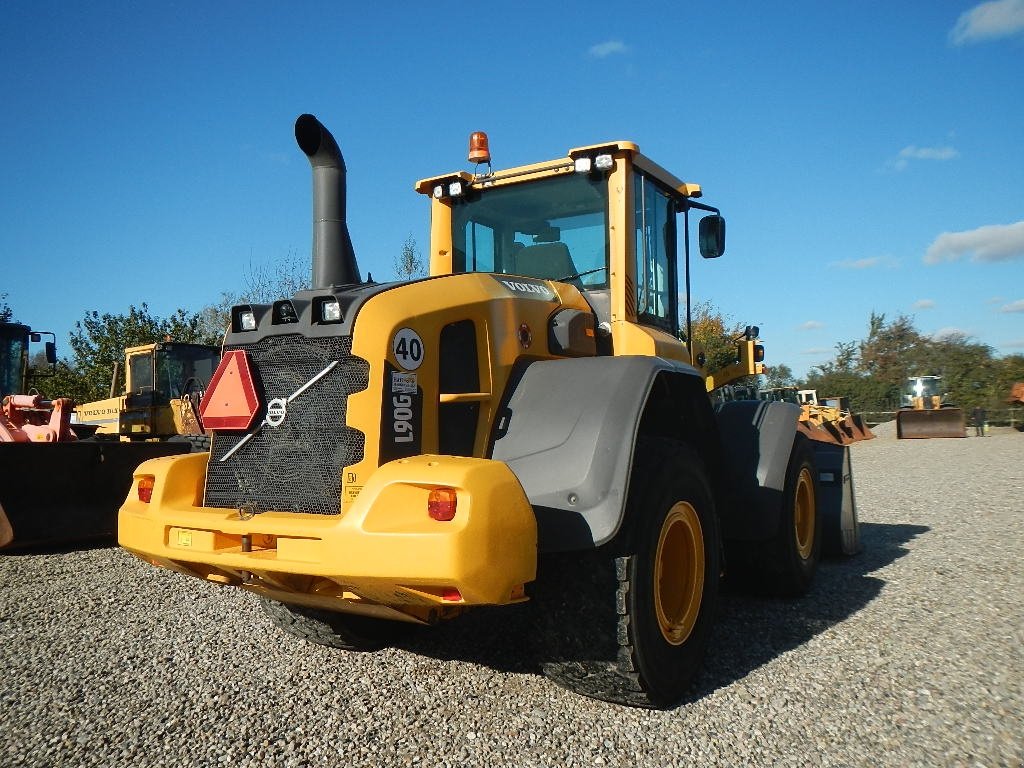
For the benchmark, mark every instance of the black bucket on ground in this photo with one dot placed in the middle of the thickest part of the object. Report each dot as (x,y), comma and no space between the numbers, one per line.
(938,422)
(55,493)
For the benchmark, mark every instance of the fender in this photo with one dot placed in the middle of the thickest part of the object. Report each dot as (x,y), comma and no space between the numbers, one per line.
(567,430)
(757,439)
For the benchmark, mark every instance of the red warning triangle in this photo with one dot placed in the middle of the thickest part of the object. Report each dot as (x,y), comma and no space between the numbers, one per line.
(230,401)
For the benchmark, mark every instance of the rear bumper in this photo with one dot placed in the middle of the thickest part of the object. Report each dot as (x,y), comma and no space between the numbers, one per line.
(383,550)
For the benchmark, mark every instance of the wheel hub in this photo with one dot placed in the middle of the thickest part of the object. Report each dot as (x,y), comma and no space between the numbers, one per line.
(679,573)
(803,513)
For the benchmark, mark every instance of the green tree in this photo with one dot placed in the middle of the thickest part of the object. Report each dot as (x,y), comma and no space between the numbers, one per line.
(779,375)
(6,313)
(891,351)
(408,264)
(714,334)
(99,341)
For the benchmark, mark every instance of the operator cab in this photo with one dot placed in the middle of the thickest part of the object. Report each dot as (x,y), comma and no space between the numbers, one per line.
(557,221)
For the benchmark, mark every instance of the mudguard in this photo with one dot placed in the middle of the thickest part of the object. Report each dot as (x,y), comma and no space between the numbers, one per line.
(567,431)
(757,439)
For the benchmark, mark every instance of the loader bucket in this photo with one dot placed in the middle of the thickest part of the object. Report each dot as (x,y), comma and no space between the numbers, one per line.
(60,493)
(938,422)
(856,428)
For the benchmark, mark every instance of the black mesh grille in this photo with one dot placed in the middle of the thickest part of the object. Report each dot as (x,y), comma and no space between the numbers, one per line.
(296,466)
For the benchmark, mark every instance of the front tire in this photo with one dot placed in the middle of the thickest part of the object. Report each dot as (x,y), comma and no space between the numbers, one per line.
(643,635)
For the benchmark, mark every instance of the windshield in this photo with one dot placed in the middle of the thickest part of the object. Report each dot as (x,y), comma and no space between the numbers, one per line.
(780,395)
(552,229)
(12,358)
(185,368)
(925,387)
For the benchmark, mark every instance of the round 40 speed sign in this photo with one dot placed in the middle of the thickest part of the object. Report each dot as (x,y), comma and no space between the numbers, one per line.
(407,348)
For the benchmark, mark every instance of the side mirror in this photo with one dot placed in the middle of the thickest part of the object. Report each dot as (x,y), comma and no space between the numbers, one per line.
(51,353)
(712,236)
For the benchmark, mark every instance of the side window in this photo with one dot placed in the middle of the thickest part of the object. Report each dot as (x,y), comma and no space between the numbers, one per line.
(654,217)
(140,368)
(479,247)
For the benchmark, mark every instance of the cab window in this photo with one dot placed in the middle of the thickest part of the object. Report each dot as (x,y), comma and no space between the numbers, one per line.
(552,229)
(655,236)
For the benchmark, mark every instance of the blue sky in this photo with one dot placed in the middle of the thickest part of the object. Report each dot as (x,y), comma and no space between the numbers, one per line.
(869,156)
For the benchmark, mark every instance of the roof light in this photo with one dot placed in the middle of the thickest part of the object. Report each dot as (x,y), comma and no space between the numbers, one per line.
(330,311)
(455,189)
(603,162)
(479,151)
(582,165)
(145,488)
(247,320)
(441,504)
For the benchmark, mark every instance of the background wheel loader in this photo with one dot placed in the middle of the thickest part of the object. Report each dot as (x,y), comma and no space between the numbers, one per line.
(925,412)
(522,424)
(58,484)
(828,420)
(159,396)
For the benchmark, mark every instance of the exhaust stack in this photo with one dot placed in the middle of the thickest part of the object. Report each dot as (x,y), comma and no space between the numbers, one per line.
(334,261)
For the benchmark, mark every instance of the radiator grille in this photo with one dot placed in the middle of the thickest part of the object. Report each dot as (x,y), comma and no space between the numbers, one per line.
(296,466)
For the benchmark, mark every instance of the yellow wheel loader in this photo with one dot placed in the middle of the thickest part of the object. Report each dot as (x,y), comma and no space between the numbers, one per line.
(926,413)
(58,484)
(160,395)
(524,423)
(828,421)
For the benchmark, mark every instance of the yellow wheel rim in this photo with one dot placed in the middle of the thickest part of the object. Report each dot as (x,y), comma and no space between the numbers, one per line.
(804,514)
(679,573)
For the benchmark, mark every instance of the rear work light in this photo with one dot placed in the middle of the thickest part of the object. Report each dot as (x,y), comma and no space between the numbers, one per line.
(441,504)
(146,483)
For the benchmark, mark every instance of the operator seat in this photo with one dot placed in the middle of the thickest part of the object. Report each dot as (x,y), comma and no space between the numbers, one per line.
(547,261)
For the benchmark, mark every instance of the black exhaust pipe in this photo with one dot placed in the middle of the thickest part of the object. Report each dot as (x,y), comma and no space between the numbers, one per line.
(334,261)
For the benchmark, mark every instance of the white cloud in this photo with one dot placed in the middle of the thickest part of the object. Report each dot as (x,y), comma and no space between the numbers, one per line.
(995,300)
(913,152)
(995,242)
(950,332)
(989,21)
(811,325)
(1013,306)
(1015,344)
(607,48)
(868,263)
(815,351)
(924,304)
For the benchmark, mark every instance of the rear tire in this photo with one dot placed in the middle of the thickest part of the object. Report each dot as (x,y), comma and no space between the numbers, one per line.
(644,616)
(791,557)
(335,630)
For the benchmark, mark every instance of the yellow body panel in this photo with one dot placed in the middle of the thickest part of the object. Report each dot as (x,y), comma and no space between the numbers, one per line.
(498,314)
(385,549)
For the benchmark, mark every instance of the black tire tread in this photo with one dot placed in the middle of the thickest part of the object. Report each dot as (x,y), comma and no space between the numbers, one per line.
(332,629)
(617,681)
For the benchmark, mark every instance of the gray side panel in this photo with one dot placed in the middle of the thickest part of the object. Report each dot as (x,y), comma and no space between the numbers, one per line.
(757,439)
(568,433)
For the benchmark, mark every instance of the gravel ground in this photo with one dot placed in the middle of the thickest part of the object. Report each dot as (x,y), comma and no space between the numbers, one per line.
(907,654)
